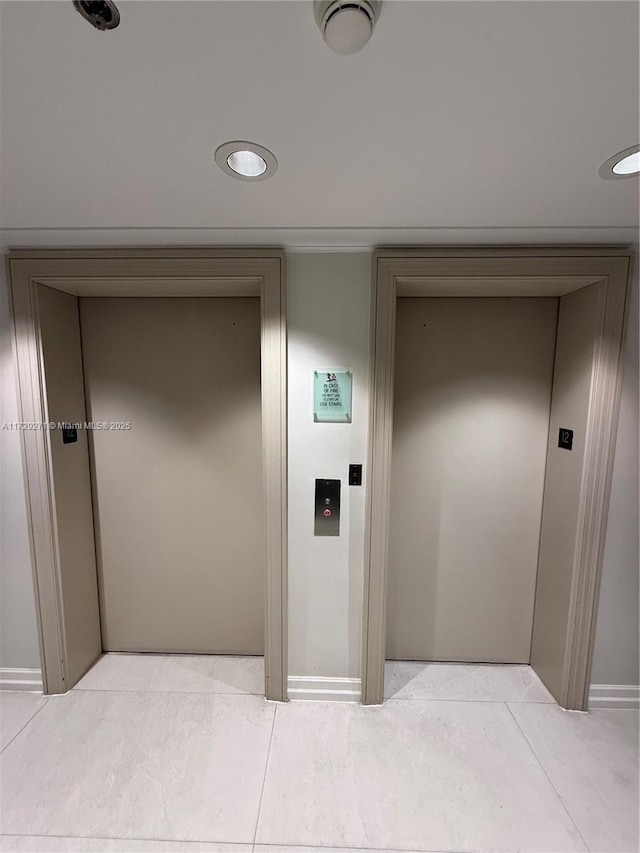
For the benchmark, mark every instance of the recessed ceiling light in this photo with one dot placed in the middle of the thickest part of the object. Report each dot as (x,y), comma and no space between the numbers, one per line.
(624,164)
(629,165)
(246,161)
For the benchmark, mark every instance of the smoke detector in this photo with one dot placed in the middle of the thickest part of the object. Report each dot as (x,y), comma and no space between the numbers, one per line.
(347,26)
(101,14)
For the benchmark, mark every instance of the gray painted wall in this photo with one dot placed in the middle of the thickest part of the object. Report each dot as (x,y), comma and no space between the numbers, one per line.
(328,320)
(579,321)
(615,658)
(18,632)
(472,396)
(328,316)
(180,540)
(62,357)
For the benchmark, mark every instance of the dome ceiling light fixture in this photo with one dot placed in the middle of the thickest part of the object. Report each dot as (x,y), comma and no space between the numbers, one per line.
(624,164)
(347,26)
(246,161)
(101,14)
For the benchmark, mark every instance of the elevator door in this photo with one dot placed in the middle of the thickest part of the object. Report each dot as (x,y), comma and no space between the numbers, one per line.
(471,414)
(178,502)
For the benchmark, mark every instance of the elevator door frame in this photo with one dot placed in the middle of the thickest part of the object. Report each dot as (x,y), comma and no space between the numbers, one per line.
(149,272)
(489,271)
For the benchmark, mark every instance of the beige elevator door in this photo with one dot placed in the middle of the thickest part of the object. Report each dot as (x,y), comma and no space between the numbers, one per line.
(178,499)
(471,414)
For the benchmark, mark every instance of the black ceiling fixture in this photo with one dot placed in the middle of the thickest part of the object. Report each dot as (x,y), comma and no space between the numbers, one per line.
(101,14)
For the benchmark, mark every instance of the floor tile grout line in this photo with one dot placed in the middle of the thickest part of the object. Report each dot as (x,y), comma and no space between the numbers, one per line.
(124,838)
(544,770)
(245,693)
(264,778)
(226,843)
(156,692)
(182,655)
(32,717)
(455,699)
(362,849)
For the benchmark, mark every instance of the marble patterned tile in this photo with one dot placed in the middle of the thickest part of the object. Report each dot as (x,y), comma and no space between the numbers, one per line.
(455,776)
(17,707)
(56,844)
(138,765)
(176,673)
(475,682)
(592,761)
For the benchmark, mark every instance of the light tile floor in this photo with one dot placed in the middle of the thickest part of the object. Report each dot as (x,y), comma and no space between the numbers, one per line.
(176,674)
(16,709)
(180,753)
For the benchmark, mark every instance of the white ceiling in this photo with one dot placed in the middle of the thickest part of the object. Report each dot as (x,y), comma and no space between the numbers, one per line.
(459,122)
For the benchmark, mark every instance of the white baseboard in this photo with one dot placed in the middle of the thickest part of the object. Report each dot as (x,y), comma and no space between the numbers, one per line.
(321,689)
(21,679)
(614,696)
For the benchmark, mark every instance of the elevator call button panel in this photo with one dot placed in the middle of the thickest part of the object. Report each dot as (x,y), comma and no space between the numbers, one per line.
(355,475)
(327,508)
